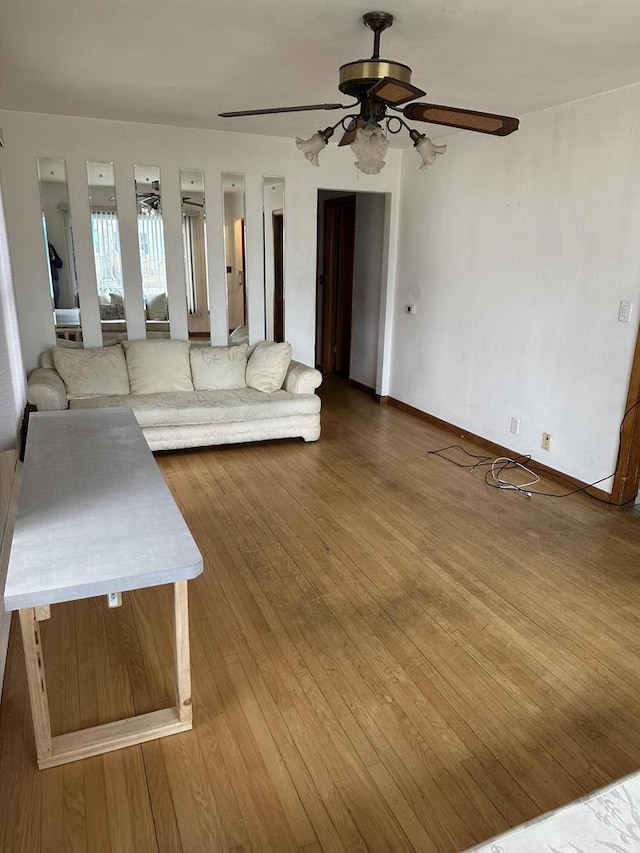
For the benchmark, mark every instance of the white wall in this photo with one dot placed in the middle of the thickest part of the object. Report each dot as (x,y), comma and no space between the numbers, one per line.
(77,140)
(12,400)
(517,253)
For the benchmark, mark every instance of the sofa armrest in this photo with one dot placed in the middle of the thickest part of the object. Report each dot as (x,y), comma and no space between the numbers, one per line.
(46,390)
(301,379)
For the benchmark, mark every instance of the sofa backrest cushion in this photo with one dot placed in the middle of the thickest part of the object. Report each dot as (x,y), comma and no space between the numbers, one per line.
(46,356)
(157,307)
(219,368)
(268,365)
(92,372)
(156,366)
(240,335)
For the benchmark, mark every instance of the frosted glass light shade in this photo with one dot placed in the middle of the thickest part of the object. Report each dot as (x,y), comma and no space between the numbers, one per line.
(312,147)
(370,146)
(428,151)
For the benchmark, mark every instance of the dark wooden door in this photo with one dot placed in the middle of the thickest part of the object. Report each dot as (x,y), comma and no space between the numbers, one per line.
(278,275)
(338,261)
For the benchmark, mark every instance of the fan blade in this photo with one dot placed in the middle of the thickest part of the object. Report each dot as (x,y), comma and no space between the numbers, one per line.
(464,119)
(283,110)
(393,91)
(350,133)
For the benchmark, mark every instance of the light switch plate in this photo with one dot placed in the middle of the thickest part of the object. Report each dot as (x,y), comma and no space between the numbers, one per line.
(624,314)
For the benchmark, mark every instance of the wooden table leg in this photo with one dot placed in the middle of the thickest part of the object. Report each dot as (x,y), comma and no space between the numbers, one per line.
(181,651)
(43,612)
(120,733)
(34,661)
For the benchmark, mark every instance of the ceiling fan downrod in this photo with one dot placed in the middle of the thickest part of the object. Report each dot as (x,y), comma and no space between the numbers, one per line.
(378,22)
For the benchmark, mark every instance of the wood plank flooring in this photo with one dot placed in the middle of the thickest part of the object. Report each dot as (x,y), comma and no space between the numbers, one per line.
(386,655)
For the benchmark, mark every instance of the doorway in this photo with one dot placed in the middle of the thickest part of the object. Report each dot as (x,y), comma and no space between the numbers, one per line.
(278,275)
(350,284)
(336,281)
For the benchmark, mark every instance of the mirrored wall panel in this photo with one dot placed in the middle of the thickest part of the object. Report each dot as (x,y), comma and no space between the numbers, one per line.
(105,237)
(194,247)
(273,211)
(235,256)
(57,234)
(152,254)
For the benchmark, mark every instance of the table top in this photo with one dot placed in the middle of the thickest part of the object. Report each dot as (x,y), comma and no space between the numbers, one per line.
(94,514)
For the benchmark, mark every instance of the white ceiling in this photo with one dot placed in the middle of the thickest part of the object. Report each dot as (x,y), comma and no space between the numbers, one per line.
(180,63)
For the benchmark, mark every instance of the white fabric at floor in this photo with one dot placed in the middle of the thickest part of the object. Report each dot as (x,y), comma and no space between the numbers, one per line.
(604,821)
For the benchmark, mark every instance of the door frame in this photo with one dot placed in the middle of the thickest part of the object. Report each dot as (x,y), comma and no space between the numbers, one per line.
(627,476)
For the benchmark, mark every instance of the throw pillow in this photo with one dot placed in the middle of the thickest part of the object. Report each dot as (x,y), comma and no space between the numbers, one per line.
(98,372)
(268,365)
(219,368)
(109,312)
(156,366)
(46,356)
(240,335)
(157,308)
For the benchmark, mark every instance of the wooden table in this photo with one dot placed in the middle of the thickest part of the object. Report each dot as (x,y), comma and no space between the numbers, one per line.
(95,517)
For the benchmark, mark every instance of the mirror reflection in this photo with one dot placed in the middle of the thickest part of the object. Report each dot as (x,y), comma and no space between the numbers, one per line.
(273,211)
(152,253)
(235,256)
(105,236)
(58,244)
(194,249)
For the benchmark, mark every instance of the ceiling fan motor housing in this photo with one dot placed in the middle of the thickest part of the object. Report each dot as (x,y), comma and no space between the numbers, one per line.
(356,78)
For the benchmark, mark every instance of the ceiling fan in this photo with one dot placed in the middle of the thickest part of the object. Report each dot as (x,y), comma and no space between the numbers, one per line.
(379,86)
(148,196)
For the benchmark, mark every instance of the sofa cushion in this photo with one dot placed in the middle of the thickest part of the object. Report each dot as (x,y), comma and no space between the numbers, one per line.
(218,368)
(268,366)
(92,372)
(158,366)
(240,335)
(46,356)
(206,407)
(158,308)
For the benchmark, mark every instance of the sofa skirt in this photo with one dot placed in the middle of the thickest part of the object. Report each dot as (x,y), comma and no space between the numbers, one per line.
(200,435)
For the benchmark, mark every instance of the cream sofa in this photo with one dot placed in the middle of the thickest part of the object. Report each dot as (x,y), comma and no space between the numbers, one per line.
(183,395)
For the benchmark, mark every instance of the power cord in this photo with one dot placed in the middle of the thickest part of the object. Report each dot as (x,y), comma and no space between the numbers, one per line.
(493,477)
(504,463)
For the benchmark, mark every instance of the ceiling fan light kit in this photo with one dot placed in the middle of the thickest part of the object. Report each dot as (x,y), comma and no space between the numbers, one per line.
(313,146)
(379,86)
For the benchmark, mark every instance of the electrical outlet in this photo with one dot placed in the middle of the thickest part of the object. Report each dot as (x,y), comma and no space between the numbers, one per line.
(114,599)
(546,441)
(515,426)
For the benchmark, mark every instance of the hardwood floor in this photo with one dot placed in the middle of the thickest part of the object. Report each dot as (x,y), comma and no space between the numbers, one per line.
(386,655)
